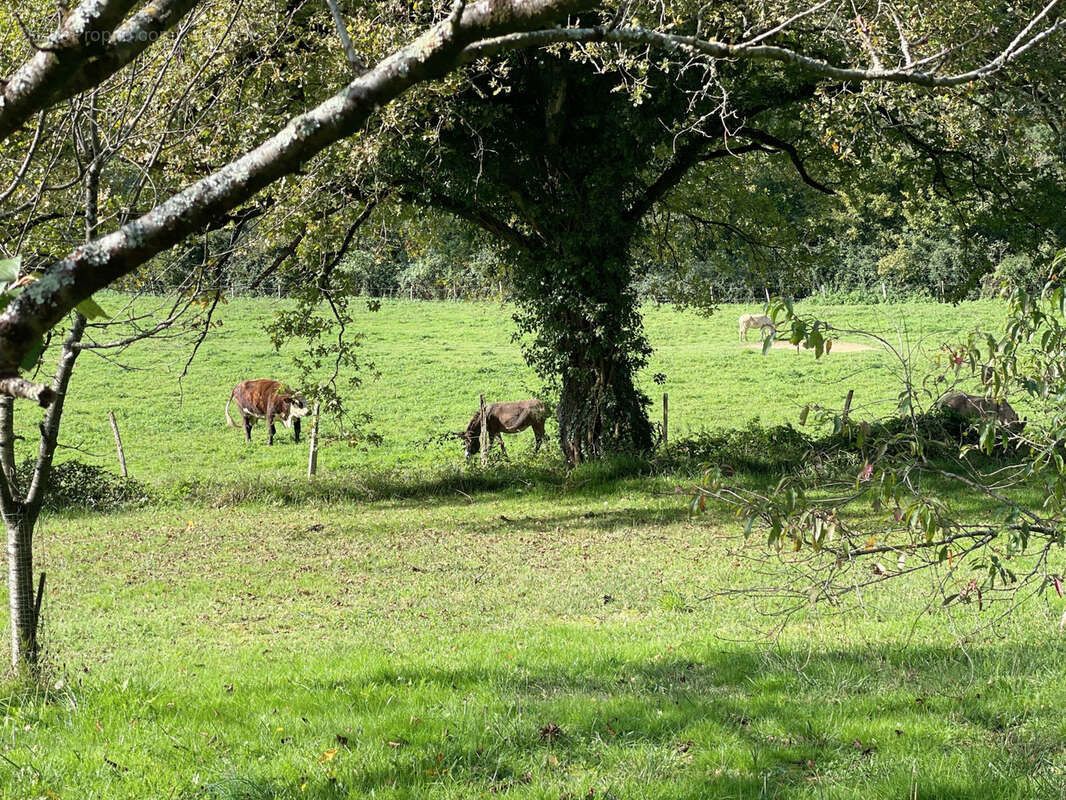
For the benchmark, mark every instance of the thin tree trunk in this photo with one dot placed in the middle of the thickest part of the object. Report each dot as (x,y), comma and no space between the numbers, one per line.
(21,600)
(21,512)
(20,517)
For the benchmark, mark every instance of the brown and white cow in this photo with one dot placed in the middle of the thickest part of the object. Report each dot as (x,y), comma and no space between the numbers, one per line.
(503,418)
(269,400)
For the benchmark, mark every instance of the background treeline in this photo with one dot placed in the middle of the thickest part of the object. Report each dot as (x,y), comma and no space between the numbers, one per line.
(870,238)
(869,255)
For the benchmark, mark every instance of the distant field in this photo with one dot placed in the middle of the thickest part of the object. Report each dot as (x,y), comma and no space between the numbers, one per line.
(434,360)
(409,627)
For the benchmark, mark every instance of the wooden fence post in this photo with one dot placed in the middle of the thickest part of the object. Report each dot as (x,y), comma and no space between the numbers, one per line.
(666,404)
(847,406)
(118,443)
(312,458)
(37,606)
(484,433)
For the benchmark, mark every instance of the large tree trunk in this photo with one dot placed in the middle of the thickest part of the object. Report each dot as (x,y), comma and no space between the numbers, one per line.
(589,338)
(600,410)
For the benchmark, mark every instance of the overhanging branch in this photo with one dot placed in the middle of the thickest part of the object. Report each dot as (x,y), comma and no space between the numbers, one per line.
(781,145)
(96,264)
(85,50)
(1028,38)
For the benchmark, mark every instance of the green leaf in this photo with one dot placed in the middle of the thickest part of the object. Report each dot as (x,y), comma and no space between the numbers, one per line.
(748,525)
(29,361)
(9,269)
(767,343)
(7,297)
(987,437)
(818,342)
(90,309)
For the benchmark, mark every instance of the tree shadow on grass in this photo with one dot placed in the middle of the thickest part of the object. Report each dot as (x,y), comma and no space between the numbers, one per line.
(445,485)
(862,722)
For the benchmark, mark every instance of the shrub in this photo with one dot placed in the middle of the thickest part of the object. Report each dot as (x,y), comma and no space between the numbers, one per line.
(753,448)
(779,449)
(77,485)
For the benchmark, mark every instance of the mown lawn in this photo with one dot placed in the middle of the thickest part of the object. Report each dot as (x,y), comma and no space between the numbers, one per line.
(408,627)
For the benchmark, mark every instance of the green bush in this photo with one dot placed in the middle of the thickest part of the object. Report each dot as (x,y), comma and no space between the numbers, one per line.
(753,448)
(77,485)
(779,449)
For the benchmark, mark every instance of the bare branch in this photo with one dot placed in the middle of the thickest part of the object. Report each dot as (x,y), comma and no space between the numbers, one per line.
(785,147)
(786,24)
(863,28)
(147,333)
(26,160)
(39,393)
(286,251)
(784,55)
(904,45)
(357,223)
(358,67)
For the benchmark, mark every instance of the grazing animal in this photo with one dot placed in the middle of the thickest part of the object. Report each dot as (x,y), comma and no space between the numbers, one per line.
(760,321)
(970,408)
(506,418)
(974,407)
(269,400)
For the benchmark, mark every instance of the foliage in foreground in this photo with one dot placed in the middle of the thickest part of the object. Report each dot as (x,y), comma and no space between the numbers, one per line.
(889,512)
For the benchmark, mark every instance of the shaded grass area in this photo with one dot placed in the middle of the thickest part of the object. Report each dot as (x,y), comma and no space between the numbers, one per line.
(533,644)
(576,711)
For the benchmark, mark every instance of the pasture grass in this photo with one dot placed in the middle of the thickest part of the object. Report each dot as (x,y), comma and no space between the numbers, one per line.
(434,359)
(408,626)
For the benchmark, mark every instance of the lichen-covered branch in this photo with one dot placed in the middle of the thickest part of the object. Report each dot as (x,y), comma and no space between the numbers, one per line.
(1027,39)
(96,264)
(84,51)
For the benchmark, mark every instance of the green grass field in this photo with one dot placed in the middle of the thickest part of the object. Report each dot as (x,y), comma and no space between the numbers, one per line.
(435,359)
(405,626)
